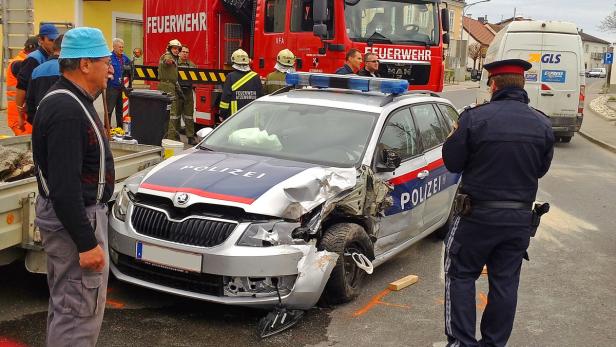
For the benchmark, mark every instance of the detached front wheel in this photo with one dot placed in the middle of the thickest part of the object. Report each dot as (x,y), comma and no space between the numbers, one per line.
(346,278)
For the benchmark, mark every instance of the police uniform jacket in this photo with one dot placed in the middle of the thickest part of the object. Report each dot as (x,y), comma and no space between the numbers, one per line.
(43,77)
(501,148)
(66,151)
(240,88)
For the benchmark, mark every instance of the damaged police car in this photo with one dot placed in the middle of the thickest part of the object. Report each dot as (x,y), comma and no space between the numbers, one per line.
(297,196)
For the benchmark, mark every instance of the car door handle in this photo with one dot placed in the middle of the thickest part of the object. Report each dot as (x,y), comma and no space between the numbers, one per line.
(547,94)
(423,174)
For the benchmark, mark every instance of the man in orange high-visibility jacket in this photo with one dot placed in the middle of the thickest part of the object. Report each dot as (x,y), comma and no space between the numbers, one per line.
(11,87)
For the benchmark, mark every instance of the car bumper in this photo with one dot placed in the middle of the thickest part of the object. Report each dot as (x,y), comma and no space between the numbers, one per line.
(301,270)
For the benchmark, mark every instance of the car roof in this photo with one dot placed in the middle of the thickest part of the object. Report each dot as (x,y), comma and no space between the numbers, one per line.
(373,102)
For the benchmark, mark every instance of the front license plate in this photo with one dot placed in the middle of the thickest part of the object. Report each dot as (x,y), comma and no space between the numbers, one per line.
(168,257)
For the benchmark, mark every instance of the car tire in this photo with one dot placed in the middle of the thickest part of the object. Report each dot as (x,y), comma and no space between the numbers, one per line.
(565,139)
(346,278)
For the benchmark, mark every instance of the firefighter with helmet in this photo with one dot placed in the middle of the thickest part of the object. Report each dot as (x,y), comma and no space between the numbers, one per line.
(241,86)
(285,62)
(168,82)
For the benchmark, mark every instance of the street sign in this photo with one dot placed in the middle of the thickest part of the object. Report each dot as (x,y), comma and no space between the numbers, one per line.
(608,58)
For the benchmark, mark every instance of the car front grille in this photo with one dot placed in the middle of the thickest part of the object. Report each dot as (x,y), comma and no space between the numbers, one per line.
(193,282)
(190,231)
(416,74)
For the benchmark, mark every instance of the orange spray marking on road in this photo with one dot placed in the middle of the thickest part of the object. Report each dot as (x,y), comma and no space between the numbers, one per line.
(483,301)
(377,300)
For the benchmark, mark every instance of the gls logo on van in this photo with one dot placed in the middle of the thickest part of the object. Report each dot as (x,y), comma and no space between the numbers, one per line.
(547,58)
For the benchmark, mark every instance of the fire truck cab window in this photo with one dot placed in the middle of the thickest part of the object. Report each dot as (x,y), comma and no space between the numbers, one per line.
(275,13)
(402,22)
(301,17)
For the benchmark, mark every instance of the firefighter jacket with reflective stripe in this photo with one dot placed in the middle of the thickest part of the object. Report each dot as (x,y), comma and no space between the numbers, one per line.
(240,89)
(274,81)
(11,90)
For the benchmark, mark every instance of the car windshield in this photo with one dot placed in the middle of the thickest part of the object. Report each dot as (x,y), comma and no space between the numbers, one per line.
(322,135)
(400,22)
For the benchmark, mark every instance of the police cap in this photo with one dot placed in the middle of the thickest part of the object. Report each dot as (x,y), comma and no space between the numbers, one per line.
(507,66)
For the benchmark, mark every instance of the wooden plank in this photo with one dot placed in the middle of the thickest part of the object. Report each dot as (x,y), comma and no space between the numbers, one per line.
(403,282)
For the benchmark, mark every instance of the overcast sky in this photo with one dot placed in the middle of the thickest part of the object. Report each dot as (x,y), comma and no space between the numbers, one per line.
(586,14)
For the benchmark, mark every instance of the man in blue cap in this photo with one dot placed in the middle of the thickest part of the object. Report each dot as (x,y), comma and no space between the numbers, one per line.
(48,33)
(75,176)
(501,148)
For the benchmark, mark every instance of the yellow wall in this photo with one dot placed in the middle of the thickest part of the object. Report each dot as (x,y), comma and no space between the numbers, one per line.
(53,11)
(98,14)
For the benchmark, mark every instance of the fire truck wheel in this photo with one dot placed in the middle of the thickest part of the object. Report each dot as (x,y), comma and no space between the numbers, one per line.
(345,280)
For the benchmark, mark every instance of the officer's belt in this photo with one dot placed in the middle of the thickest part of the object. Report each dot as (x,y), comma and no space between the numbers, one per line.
(511,205)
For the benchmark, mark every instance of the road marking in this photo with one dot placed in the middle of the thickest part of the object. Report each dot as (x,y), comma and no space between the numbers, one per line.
(376,300)
(483,301)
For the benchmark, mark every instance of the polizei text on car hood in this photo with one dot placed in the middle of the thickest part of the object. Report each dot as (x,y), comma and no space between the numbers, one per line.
(261,185)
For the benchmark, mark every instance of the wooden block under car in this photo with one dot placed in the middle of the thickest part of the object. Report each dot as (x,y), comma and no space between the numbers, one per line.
(403,282)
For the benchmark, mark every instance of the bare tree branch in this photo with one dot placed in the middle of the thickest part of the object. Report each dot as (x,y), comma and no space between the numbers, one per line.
(474,52)
(609,23)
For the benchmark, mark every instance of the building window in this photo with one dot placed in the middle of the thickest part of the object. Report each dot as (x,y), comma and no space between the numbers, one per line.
(131,31)
(451,14)
(586,48)
(275,13)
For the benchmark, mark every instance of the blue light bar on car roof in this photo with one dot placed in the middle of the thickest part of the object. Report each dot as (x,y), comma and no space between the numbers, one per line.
(365,84)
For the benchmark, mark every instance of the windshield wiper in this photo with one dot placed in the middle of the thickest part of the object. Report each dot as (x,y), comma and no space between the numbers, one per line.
(425,43)
(202,147)
(377,36)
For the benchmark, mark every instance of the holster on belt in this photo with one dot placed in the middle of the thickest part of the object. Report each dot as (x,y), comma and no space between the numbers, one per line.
(539,209)
(462,205)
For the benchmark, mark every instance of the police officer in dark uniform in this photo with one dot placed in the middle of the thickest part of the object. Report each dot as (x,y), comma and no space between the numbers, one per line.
(501,148)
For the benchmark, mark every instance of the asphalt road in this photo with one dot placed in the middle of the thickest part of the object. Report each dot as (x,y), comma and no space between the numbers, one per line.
(567,295)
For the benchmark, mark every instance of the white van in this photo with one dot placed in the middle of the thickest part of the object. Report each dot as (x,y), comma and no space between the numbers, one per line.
(556,82)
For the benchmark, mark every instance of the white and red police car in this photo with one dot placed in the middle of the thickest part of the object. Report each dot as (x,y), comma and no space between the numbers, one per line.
(298,195)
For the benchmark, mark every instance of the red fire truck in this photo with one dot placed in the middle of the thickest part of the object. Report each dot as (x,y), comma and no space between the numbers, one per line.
(407,35)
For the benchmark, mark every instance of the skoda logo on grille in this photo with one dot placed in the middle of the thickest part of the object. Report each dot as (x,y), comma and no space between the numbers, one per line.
(182,199)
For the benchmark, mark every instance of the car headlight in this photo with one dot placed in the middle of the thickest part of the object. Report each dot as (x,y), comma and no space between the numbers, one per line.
(268,234)
(121,205)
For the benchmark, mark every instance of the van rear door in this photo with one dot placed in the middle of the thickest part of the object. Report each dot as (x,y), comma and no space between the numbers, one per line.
(559,77)
(526,46)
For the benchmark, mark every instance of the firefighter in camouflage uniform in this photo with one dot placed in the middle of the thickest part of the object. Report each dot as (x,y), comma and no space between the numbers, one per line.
(241,86)
(168,77)
(285,62)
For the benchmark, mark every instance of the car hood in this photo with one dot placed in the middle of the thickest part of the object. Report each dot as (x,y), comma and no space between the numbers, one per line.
(262,185)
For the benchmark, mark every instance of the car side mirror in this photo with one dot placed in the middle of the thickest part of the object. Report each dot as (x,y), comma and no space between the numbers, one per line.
(390,161)
(320,30)
(445,19)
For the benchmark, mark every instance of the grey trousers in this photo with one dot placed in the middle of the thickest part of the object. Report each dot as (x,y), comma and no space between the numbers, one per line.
(76,296)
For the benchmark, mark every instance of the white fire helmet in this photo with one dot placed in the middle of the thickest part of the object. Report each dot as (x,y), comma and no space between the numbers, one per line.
(174,43)
(286,58)
(240,57)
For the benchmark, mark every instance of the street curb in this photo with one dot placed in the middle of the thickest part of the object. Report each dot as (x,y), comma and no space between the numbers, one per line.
(598,142)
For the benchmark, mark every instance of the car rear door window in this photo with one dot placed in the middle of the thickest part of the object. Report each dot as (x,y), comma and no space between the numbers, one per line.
(400,134)
(451,115)
(430,128)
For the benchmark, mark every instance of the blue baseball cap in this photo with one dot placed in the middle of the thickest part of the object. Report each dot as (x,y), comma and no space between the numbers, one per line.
(84,42)
(49,30)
